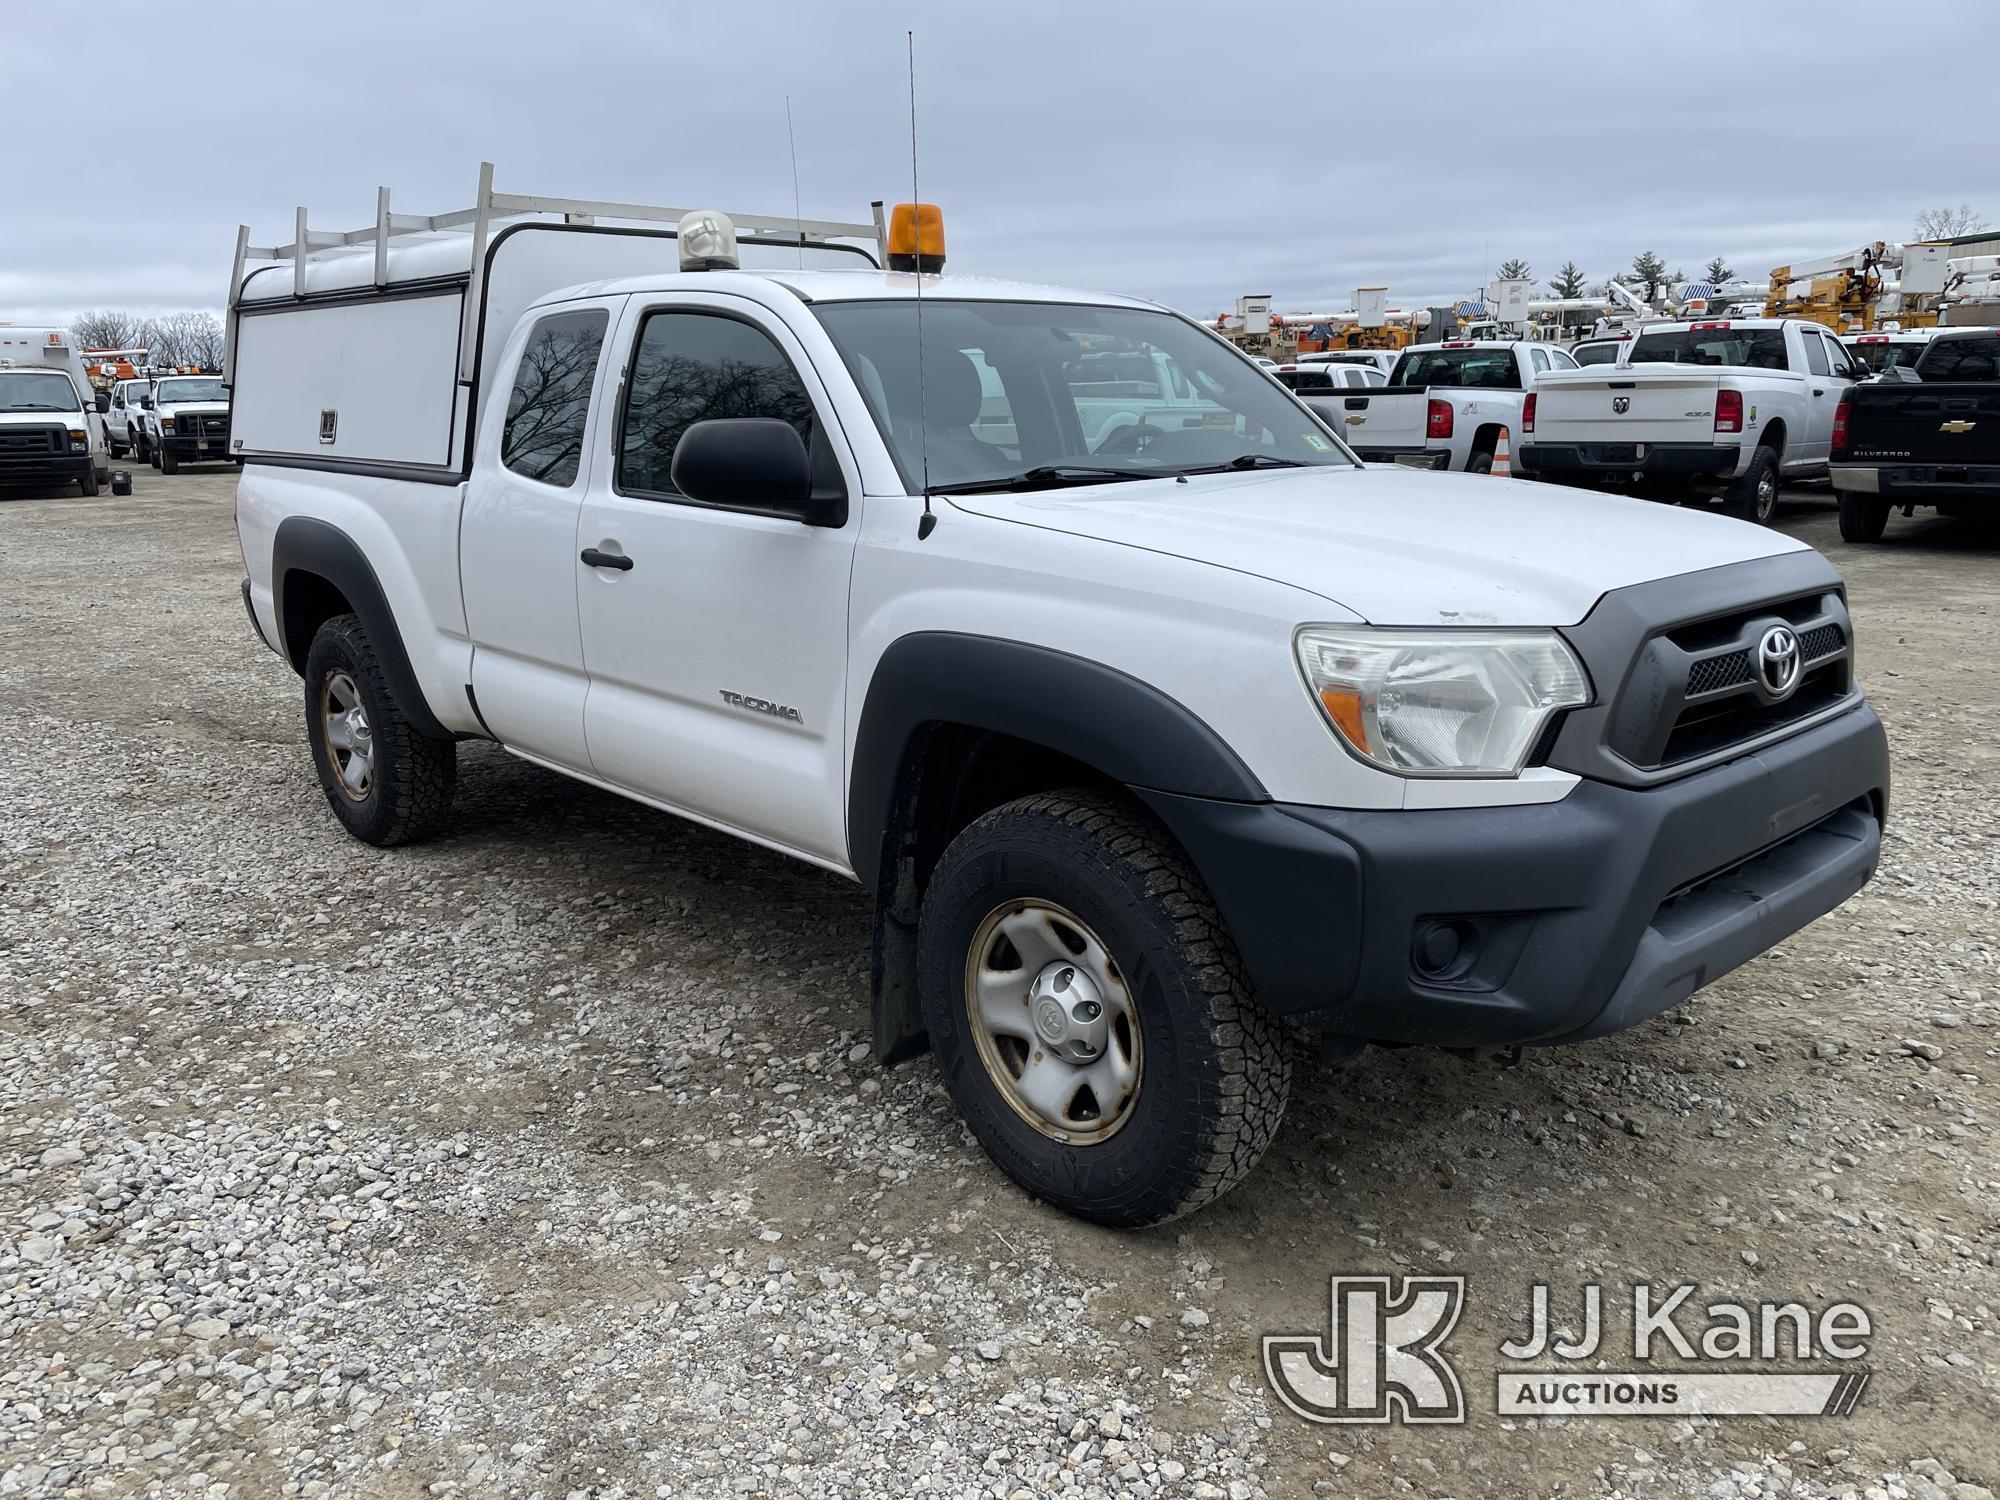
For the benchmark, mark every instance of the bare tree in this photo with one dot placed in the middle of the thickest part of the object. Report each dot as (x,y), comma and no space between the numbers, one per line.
(1946,223)
(184,338)
(106,328)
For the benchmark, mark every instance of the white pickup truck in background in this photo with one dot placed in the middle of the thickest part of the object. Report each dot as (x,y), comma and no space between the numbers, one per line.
(1446,404)
(1734,406)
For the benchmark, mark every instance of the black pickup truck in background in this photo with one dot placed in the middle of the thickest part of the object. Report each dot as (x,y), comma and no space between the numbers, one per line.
(1923,434)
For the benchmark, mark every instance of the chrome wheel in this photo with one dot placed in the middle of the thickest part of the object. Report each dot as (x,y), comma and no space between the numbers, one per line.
(350,742)
(1054,1023)
(1767,496)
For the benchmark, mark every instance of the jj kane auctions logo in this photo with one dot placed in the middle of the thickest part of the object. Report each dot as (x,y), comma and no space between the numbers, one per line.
(1382,1357)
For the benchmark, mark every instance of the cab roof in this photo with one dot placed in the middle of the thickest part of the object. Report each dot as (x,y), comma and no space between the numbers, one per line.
(847,286)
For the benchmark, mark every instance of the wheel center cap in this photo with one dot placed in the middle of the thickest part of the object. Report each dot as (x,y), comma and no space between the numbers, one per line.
(1068,1013)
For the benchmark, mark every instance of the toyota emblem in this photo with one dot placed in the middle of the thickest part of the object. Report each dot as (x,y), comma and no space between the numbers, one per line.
(1778,662)
(1621,404)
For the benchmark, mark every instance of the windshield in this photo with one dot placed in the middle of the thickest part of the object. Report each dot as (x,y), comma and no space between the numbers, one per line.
(1025,394)
(1746,348)
(1473,369)
(36,390)
(208,388)
(1595,354)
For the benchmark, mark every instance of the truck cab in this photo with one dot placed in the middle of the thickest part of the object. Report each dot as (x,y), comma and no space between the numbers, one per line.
(124,419)
(185,419)
(1154,745)
(51,432)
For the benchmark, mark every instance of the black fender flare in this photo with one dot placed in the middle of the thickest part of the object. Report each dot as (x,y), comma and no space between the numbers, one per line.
(1125,728)
(306,545)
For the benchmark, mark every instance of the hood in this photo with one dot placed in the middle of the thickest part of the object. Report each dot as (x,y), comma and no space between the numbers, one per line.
(70,418)
(193,408)
(1402,547)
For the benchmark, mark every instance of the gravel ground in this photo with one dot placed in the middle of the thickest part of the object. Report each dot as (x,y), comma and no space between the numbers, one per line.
(546,1159)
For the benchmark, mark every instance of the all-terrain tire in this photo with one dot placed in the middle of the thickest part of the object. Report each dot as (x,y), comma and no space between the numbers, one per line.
(1214,1073)
(408,796)
(1754,495)
(1863,518)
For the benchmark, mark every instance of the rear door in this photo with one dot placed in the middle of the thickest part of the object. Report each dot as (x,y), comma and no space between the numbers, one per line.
(517,535)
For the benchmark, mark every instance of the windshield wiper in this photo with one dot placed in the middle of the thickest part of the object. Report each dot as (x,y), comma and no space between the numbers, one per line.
(1254,461)
(35,406)
(1052,474)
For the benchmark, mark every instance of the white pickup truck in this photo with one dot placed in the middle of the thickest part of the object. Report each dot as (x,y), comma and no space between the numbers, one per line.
(1446,404)
(124,418)
(185,420)
(1151,760)
(1732,406)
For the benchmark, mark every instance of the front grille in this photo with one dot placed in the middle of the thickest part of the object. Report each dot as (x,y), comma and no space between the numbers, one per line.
(213,424)
(33,442)
(1694,692)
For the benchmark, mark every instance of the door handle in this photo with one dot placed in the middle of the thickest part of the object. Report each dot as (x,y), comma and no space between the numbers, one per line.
(1819,391)
(616,560)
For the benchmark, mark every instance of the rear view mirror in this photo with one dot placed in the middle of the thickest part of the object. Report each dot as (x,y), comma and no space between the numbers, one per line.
(104,401)
(755,464)
(147,402)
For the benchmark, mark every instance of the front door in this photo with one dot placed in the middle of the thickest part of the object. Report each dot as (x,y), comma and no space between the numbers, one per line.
(517,539)
(716,639)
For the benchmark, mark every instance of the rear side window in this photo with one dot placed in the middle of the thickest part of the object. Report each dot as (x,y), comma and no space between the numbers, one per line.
(1815,355)
(1319,378)
(695,367)
(543,439)
(1597,354)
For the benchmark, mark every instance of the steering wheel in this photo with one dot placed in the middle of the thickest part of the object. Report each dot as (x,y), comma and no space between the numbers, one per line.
(1131,438)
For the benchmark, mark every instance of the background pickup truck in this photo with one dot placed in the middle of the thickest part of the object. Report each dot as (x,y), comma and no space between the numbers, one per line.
(1922,435)
(1446,404)
(1735,406)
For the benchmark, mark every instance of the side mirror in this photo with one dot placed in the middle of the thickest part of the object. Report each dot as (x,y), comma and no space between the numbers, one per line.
(103,401)
(147,402)
(758,464)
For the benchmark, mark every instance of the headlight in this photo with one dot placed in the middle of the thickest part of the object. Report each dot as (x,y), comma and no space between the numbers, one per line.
(1440,702)
(166,422)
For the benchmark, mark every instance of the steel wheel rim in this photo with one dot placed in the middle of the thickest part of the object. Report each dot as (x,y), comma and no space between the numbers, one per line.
(1027,960)
(1767,496)
(350,739)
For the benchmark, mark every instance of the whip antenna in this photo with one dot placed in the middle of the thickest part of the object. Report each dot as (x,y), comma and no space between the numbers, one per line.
(798,218)
(928,523)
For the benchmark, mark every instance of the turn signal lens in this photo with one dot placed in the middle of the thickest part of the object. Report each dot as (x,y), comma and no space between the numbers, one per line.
(1528,413)
(1728,411)
(916,237)
(1437,418)
(1840,414)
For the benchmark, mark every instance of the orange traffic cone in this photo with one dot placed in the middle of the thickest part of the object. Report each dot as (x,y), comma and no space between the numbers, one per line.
(1503,458)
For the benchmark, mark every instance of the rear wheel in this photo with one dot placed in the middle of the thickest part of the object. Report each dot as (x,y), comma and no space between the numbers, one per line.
(1754,496)
(1479,463)
(1862,517)
(386,782)
(1090,1014)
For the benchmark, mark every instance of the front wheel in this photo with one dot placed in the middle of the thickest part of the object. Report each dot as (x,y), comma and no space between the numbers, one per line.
(169,461)
(90,483)
(1090,1014)
(1754,495)
(116,450)
(386,782)
(1863,518)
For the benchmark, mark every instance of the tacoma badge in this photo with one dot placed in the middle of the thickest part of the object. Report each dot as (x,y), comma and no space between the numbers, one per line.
(761,706)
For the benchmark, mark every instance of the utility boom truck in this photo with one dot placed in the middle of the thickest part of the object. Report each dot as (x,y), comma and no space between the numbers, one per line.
(1155,743)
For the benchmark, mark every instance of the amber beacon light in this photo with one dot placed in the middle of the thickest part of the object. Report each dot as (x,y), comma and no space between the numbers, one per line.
(916,237)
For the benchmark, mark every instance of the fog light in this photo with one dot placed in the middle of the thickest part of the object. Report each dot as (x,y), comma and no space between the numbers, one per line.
(1444,949)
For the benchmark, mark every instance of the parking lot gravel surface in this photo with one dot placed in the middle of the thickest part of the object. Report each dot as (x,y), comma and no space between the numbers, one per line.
(547,1159)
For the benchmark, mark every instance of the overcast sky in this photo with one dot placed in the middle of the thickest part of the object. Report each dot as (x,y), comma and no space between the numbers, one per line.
(1177,149)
